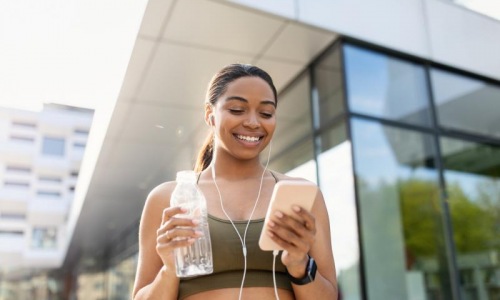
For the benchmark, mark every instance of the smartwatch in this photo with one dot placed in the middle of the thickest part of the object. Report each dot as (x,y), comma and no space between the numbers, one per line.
(309,276)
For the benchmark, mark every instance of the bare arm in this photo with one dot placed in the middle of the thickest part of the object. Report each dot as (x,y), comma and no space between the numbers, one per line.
(159,234)
(153,280)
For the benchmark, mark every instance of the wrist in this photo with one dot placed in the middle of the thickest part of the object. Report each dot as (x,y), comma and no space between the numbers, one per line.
(298,270)
(309,274)
(166,272)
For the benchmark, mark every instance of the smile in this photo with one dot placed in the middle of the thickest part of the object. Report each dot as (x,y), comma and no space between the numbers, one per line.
(245,138)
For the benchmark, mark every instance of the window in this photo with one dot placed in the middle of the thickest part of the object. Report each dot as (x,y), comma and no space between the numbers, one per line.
(17,184)
(49,193)
(329,87)
(50,179)
(81,131)
(18,169)
(466,104)
(400,211)
(78,145)
(23,139)
(386,87)
(74,174)
(473,187)
(24,124)
(53,146)
(12,216)
(11,233)
(44,238)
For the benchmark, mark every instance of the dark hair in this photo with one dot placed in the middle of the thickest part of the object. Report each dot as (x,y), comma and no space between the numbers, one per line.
(216,88)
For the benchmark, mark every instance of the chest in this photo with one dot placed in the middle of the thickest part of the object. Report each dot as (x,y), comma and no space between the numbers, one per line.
(238,199)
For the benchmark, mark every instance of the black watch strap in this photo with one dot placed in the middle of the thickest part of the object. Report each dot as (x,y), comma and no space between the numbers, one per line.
(309,276)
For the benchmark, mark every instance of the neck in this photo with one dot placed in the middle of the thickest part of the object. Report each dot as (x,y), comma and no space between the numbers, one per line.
(237,169)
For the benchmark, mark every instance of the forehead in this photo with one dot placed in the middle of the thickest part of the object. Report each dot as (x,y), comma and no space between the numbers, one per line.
(250,88)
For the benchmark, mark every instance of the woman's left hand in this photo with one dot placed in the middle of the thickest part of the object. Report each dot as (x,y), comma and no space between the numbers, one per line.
(296,234)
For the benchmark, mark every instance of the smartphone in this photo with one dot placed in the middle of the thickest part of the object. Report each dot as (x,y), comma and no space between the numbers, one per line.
(287,193)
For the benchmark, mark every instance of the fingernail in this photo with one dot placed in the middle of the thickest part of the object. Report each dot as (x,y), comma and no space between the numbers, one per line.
(196,222)
(296,208)
(191,240)
(198,233)
(269,233)
(278,214)
(271,224)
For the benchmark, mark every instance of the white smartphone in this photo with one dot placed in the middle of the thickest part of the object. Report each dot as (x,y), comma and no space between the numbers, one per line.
(287,193)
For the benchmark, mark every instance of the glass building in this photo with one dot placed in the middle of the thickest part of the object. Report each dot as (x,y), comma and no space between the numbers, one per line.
(407,156)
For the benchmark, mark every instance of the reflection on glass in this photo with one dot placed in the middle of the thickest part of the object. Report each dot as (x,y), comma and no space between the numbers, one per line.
(472,173)
(401,217)
(121,278)
(293,116)
(466,104)
(386,87)
(328,83)
(91,286)
(337,185)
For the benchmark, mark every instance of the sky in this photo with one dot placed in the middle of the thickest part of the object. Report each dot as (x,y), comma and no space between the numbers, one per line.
(73,52)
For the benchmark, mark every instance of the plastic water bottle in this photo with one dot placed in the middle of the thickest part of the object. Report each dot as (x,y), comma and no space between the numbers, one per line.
(195,259)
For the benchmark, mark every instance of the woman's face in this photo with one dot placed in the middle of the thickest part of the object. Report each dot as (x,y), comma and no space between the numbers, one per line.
(244,117)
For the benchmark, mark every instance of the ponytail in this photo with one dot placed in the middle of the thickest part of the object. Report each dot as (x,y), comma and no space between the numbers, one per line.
(205,155)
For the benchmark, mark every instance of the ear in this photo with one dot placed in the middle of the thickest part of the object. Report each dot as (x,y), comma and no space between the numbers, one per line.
(209,115)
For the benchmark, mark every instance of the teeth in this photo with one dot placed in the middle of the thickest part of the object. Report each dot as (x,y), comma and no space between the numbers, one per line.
(248,138)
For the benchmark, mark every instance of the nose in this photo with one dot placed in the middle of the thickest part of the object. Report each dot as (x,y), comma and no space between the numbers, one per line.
(252,121)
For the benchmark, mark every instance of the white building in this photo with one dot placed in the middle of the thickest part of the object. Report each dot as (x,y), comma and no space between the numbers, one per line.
(40,157)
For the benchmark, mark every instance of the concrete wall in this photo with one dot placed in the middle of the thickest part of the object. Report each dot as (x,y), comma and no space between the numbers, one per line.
(437,30)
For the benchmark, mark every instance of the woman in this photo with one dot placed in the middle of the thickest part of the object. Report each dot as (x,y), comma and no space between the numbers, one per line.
(241,111)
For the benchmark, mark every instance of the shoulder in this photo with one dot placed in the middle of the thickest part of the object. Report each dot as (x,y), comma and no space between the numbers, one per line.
(159,196)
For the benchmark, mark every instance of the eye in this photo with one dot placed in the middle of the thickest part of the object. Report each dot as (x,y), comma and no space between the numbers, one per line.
(266,115)
(236,111)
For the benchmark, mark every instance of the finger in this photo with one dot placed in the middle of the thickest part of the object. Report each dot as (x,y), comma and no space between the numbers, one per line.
(284,236)
(297,225)
(169,212)
(178,234)
(307,217)
(167,247)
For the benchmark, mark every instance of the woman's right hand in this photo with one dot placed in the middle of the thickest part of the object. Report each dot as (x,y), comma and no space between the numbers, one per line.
(174,232)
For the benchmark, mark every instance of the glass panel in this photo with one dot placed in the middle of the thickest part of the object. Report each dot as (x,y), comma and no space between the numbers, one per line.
(121,279)
(53,146)
(466,104)
(292,142)
(386,87)
(401,216)
(337,185)
(472,173)
(91,286)
(329,87)
(44,238)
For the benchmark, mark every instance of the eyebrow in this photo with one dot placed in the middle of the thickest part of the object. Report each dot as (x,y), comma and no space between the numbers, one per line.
(237,98)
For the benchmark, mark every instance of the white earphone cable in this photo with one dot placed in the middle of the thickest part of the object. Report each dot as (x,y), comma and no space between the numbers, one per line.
(243,240)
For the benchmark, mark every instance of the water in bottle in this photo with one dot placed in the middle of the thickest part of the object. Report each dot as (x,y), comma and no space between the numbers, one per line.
(195,259)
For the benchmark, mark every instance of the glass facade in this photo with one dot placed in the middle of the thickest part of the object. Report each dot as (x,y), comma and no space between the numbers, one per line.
(407,155)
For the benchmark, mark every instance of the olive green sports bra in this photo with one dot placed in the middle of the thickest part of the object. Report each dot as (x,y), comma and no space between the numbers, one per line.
(229,262)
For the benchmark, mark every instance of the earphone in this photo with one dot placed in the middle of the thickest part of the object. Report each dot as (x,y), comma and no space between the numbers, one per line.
(243,240)
(211,119)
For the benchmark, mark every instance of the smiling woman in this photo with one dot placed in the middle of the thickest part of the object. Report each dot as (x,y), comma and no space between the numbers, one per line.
(241,111)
